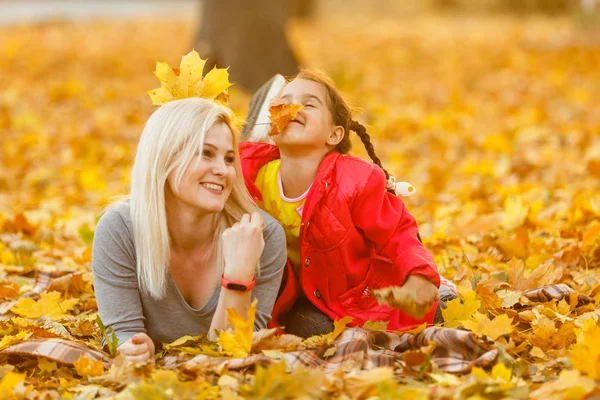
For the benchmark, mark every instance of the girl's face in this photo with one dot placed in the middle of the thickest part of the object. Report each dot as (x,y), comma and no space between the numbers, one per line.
(314,124)
(207,182)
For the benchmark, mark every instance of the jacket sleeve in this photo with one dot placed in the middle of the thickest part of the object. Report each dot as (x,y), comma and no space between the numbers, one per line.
(385,221)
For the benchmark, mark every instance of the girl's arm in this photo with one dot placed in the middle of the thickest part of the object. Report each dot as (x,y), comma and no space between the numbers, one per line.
(384,220)
(115,278)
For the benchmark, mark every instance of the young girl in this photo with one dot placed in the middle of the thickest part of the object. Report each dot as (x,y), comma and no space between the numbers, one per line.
(346,234)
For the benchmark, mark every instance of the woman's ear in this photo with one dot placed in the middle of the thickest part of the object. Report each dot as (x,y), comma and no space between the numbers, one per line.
(336,136)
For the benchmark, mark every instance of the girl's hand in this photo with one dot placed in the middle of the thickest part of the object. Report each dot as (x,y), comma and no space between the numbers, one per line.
(417,295)
(139,348)
(243,244)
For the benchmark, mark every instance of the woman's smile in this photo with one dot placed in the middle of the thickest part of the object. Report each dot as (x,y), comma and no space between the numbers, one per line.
(213,187)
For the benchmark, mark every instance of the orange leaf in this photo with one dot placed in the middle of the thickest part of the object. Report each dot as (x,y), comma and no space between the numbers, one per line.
(87,367)
(281,114)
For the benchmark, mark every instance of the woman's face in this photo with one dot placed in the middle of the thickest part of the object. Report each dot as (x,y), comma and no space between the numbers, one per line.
(313,124)
(208,180)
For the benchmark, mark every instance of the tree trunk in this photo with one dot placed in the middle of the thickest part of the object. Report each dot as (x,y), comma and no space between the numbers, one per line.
(247,37)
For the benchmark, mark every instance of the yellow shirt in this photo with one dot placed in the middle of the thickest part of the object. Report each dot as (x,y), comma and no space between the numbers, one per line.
(285,210)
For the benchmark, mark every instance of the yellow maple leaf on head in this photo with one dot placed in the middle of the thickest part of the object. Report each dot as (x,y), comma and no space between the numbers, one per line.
(239,342)
(482,325)
(49,305)
(187,81)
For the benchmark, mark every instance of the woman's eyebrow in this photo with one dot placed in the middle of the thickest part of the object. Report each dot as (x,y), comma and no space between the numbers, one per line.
(212,146)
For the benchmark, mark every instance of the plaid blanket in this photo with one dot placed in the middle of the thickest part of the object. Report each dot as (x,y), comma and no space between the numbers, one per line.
(451,350)
(455,351)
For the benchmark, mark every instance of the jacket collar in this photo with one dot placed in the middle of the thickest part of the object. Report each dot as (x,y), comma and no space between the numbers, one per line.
(256,155)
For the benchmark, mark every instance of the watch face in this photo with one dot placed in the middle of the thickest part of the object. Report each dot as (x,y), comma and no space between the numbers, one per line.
(236,286)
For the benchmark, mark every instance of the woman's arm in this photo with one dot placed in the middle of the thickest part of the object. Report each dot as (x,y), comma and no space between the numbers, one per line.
(114,275)
(243,244)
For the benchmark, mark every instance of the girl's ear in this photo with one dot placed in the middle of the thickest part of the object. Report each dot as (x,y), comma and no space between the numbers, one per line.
(336,136)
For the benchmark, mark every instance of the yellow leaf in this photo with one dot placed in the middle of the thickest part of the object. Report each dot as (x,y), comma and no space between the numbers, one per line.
(239,342)
(418,329)
(9,340)
(322,340)
(215,83)
(481,325)
(181,341)
(509,298)
(364,385)
(87,367)
(400,297)
(167,77)
(49,305)
(515,213)
(501,372)
(585,355)
(190,73)
(537,353)
(455,313)
(187,81)
(569,385)
(8,384)
(46,365)
(377,325)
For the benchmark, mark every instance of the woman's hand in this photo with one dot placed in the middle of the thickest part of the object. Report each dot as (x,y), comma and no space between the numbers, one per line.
(139,348)
(243,245)
(417,295)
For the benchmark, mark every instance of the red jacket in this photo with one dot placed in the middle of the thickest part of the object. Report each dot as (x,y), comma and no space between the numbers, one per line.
(354,237)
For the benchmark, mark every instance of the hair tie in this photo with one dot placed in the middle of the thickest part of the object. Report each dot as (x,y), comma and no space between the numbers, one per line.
(403,189)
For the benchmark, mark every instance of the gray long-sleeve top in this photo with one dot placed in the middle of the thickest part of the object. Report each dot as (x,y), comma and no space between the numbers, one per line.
(130,311)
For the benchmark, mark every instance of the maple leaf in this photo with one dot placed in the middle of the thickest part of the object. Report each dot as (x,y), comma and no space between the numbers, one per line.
(339,326)
(187,81)
(377,325)
(88,367)
(281,114)
(46,366)
(515,212)
(9,291)
(365,384)
(49,305)
(8,384)
(166,385)
(455,313)
(275,382)
(9,340)
(585,355)
(399,297)
(569,385)
(239,342)
(482,325)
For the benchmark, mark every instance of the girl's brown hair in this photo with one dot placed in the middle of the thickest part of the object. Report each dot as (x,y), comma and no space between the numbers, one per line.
(342,115)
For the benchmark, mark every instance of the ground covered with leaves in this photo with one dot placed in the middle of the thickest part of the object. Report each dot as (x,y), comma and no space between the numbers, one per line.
(495,121)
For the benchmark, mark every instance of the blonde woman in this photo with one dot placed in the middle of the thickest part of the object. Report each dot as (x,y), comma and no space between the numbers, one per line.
(189,242)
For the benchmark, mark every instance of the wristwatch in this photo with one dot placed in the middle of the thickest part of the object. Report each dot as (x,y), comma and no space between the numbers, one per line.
(237,285)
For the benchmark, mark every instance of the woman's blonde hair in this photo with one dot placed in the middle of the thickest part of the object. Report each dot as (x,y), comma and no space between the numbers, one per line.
(172,136)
